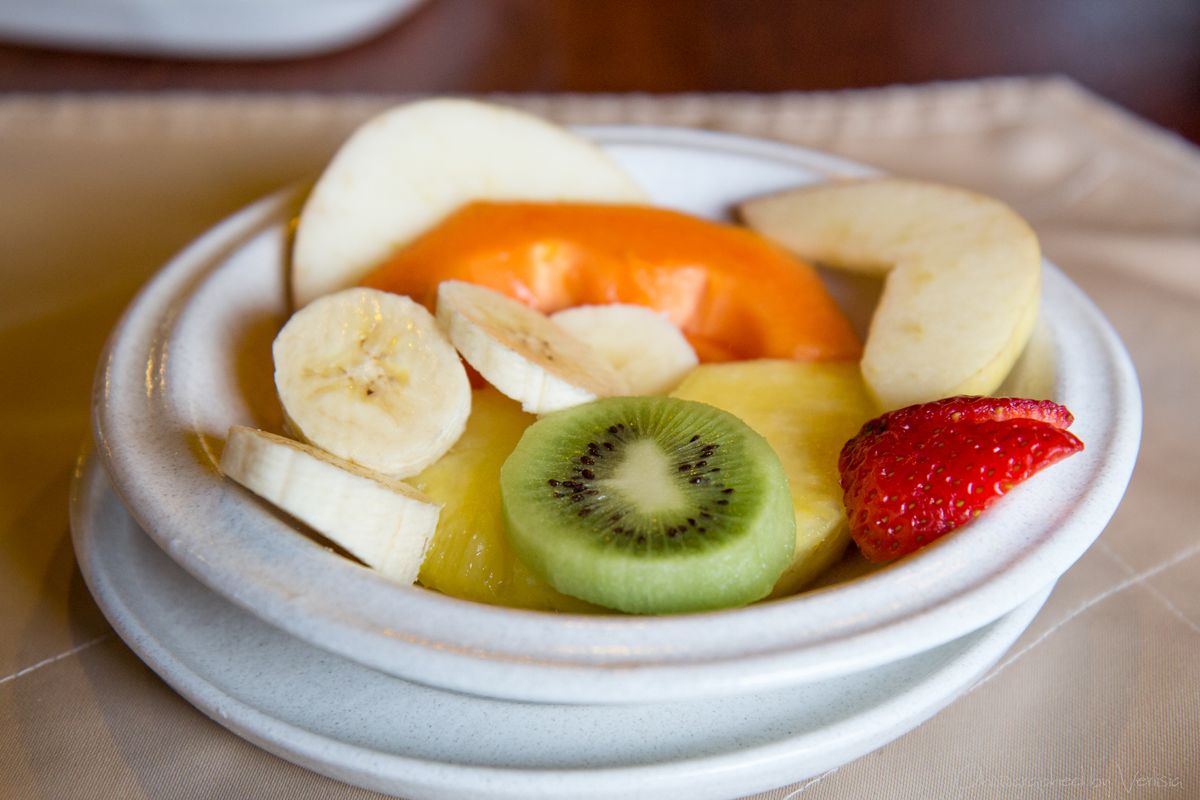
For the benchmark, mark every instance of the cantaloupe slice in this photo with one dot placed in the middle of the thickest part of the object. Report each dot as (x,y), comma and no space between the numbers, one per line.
(732,293)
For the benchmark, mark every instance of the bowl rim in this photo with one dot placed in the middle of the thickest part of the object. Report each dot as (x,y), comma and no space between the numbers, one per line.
(926,599)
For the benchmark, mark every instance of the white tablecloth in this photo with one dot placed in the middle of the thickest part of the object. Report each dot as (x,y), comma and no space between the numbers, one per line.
(1100,698)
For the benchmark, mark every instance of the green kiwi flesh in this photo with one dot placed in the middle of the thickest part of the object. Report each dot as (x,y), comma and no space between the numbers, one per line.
(649,505)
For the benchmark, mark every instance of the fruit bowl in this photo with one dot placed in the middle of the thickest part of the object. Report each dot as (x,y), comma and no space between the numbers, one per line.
(191,357)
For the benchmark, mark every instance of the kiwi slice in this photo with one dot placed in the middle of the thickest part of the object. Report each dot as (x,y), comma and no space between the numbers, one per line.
(649,505)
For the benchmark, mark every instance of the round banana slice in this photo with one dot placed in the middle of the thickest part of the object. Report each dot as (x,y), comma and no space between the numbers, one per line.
(521,352)
(646,348)
(367,376)
(384,523)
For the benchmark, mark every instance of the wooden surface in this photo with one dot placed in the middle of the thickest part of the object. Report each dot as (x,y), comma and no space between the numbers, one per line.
(1142,55)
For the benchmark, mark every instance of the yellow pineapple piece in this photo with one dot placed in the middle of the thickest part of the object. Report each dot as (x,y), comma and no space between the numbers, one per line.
(806,411)
(469,556)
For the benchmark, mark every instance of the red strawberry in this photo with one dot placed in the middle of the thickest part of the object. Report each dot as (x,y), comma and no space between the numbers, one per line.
(917,473)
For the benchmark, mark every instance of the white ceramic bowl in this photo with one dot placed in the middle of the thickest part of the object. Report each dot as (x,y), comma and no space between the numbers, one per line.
(192,356)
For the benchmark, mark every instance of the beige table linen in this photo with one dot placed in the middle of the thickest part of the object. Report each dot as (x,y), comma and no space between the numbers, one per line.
(1100,698)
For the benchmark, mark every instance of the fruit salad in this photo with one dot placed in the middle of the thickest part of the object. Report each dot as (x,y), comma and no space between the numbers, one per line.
(511,380)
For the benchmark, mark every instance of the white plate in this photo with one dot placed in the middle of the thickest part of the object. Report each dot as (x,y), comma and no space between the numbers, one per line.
(199,28)
(192,356)
(352,723)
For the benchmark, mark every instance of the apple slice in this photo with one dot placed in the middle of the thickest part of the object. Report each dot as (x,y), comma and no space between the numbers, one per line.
(405,169)
(963,277)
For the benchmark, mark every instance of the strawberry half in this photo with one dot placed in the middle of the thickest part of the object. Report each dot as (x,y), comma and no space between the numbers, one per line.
(912,475)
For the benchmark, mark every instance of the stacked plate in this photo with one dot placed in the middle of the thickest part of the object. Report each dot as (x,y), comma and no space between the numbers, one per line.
(407,691)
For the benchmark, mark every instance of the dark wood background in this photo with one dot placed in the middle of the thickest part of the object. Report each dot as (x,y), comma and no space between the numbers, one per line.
(1143,54)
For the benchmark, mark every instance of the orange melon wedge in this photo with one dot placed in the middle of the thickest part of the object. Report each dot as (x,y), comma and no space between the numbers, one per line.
(732,293)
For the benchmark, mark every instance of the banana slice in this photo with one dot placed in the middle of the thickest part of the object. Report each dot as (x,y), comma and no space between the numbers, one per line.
(648,351)
(367,376)
(410,166)
(521,352)
(384,523)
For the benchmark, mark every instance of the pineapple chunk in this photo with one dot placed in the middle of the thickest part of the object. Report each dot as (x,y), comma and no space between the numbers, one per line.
(806,411)
(469,556)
